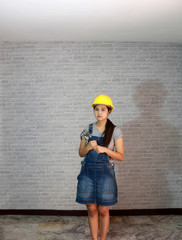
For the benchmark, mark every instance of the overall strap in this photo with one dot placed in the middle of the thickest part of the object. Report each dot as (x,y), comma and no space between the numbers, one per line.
(90,128)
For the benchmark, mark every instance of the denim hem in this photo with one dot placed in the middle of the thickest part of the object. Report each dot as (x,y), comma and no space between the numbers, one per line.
(97,202)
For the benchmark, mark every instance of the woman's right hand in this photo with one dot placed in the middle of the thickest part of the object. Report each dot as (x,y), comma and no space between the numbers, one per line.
(85,148)
(92,144)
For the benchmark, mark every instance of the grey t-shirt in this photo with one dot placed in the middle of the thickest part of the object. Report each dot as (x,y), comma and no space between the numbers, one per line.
(116,134)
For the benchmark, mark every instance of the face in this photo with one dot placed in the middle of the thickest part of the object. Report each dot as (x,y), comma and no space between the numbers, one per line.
(101,112)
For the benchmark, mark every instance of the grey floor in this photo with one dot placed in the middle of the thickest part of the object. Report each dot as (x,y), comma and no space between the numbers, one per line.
(154,227)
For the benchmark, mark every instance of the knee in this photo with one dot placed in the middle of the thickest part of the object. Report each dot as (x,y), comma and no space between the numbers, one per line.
(103,211)
(92,210)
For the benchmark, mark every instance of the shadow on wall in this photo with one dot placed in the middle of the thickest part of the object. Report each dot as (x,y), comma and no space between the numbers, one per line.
(152,164)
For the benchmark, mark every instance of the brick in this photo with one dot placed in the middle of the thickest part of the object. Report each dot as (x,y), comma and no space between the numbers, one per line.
(46,93)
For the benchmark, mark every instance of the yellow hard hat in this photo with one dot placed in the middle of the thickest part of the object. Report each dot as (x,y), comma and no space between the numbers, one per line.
(103,99)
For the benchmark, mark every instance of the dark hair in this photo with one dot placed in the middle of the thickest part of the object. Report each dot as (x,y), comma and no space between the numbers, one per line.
(108,133)
(109,128)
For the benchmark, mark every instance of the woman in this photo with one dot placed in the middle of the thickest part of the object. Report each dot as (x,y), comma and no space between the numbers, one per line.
(97,186)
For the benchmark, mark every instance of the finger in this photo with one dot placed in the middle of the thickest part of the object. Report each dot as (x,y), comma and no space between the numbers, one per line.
(95,148)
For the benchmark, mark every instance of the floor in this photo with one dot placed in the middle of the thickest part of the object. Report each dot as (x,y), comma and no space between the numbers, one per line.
(154,227)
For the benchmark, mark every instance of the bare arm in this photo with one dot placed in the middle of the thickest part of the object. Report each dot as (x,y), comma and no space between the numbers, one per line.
(118,154)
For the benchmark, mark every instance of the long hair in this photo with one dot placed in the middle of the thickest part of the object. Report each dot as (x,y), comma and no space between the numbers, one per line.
(108,133)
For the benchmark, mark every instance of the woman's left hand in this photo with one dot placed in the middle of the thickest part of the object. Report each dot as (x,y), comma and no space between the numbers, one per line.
(99,149)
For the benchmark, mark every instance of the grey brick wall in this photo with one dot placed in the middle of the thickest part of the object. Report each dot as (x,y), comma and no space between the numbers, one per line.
(46,93)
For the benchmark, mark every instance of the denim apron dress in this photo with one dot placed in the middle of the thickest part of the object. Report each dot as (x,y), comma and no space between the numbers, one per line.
(96,180)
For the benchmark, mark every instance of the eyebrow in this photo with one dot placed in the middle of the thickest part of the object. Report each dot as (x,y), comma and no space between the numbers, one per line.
(101,107)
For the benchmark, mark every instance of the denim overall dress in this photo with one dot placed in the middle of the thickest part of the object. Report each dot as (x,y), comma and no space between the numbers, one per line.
(96,180)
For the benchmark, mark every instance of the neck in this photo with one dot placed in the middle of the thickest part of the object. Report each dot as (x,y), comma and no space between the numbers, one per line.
(101,123)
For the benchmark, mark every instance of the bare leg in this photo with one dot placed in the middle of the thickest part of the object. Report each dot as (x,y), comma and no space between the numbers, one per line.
(104,221)
(93,220)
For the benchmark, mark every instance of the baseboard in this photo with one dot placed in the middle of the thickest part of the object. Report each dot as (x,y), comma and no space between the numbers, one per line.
(128,212)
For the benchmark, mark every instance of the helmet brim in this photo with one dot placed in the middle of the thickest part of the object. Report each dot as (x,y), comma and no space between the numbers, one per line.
(93,105)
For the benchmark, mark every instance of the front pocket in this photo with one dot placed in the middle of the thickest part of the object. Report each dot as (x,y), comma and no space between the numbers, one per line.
(82,186)
(109,181)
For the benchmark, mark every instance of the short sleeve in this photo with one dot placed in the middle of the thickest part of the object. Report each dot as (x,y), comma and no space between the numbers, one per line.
(86,128)
(117,133)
